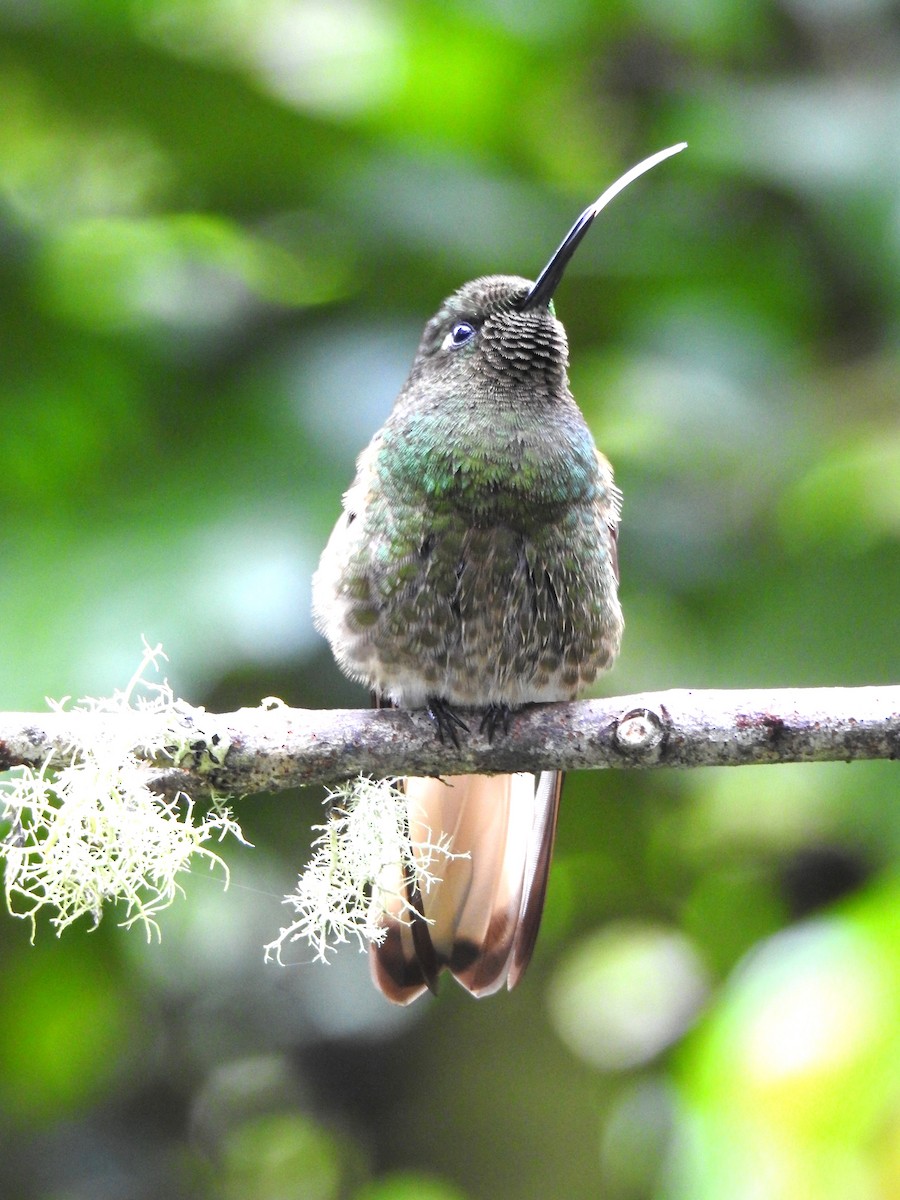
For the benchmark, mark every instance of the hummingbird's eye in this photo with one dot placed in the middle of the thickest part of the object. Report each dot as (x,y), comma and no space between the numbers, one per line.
(461,333)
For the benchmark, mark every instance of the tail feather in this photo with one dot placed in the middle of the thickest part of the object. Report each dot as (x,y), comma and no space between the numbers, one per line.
(481,919)
(396,965)
(537,872)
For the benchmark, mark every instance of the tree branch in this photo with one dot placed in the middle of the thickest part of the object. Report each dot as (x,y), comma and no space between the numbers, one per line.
(269,749)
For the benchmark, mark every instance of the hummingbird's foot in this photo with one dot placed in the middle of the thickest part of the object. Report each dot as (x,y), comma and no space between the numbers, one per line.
(494,717)
(447,722)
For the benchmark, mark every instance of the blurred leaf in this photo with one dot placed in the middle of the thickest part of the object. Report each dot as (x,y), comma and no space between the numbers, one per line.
(189,269)
(623,995)
(797,1070)
(280,1157)
(408,1186)
(850,500)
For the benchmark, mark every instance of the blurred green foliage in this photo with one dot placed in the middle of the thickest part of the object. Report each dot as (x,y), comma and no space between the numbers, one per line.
(222,225)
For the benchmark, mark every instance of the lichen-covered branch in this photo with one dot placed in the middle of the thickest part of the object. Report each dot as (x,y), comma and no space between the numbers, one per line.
(275,747)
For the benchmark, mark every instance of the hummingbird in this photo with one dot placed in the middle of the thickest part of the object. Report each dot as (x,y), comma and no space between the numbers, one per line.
(475,566)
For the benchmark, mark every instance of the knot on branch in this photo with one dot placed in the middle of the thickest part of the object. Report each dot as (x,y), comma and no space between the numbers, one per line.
(640,733)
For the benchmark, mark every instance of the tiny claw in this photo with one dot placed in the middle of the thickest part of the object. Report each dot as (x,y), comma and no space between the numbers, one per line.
(494,717)
(446,721)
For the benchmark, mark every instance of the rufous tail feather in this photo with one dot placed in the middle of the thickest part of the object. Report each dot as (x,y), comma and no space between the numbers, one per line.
(480,920)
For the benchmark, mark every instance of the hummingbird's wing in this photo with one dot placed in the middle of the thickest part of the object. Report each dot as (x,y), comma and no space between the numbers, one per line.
(481,918)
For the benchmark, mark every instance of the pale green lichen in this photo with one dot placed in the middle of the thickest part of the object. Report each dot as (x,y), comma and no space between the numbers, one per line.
(86,830)
(361,854)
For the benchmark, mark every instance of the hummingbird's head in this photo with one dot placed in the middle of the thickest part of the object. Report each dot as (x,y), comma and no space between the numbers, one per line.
(488,338)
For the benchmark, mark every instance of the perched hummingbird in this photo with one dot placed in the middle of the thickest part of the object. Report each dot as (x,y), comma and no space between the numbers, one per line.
(475,565)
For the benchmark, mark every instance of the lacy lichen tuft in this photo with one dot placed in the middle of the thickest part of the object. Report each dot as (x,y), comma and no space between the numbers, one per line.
(85,830)
(360,858)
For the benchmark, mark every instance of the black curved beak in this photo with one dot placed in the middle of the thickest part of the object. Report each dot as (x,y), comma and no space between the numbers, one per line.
(543,288)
